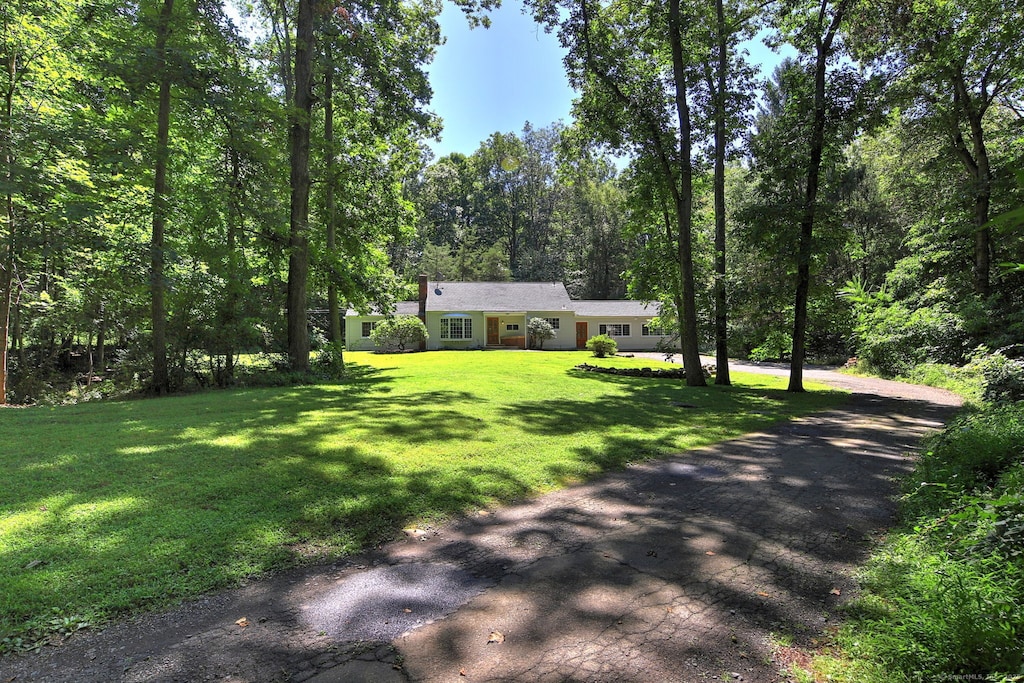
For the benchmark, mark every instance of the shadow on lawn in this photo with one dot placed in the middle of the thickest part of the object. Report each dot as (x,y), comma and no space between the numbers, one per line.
(684,416)
(681,570)
(152,501)
(168,498)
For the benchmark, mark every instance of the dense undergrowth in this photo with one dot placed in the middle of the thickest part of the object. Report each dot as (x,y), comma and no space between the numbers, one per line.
(943,597)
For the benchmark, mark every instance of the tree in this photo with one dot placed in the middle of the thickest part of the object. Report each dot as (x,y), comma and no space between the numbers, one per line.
(515,196)
(953,65)
(635,64)
(539,331)
(299,182)
(160,381)
(400,333)
(729,81)
(813,28)
(591,215)
(33,56)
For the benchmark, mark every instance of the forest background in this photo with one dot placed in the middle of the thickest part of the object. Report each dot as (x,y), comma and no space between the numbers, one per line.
(178,191)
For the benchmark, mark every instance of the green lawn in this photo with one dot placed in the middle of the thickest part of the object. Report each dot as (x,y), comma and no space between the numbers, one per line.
(107,508)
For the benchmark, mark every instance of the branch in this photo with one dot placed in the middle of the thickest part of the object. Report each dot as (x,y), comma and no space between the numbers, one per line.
(654,129)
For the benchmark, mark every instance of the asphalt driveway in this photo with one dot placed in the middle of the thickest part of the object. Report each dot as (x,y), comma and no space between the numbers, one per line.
(675,570)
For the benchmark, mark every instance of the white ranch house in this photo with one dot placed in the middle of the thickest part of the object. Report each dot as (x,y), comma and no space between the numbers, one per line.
(477,315)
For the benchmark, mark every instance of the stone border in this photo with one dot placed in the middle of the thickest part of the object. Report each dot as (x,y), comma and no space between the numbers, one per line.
(661,373)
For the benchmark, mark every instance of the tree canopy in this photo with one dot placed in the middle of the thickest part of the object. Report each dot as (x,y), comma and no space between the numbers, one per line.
(177,191)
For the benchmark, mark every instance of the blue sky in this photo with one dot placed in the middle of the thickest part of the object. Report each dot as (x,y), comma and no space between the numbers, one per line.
(496,79)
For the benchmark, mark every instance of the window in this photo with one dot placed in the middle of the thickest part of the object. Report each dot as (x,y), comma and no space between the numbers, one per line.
(614,329)
(648,331)
(512,327)
(456,328)
(553,322)
(368,327)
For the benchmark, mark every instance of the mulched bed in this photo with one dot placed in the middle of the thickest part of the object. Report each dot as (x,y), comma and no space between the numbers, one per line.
(663,373)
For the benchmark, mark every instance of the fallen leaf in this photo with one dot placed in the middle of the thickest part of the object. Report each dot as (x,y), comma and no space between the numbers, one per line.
(407,610)
(43,508)
(33,564)
(762,594)
(836,591)
(243,622)
(462,672)
(496,637)
(483,513)
(709,552)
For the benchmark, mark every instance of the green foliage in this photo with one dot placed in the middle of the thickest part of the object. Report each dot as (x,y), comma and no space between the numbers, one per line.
(329,361)
(966,381)
(222,485)
(400,333)
(1004,378)
(775,347)
(971,453)
(602,345)
(539,331)
(929,614)
(892,338)
(945,594)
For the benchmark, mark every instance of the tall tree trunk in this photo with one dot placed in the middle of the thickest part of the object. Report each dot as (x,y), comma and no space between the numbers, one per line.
(333,310)
(684,208)
(6,288)
(234,223)
(823,45)
(101,340)
(88,350)
(298,236)
(7,236)
(158,283)
(979,170)
(721,301)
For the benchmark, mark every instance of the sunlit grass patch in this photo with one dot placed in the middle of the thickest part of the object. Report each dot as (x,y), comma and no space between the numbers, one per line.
(114,507)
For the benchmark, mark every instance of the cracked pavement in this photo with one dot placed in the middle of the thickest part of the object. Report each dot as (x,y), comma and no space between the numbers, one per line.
(673,570)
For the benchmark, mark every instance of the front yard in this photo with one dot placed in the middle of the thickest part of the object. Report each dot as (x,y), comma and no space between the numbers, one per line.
(109,508)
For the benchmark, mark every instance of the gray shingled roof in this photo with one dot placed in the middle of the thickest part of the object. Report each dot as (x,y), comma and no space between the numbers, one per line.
(403,308)
(591,308)
(497,296)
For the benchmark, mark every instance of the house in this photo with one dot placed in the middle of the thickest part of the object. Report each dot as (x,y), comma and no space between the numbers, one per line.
(476,315)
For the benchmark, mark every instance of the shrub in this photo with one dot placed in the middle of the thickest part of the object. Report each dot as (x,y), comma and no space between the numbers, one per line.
(539,331)
(972,452)
(892,337)
(945,594)
(400,333)
(930,616)
(330,361)
(1003,377)
(963,380)
(602,345)
(775,347)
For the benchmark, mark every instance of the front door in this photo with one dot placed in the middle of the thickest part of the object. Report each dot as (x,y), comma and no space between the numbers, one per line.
(581,335)
(493,337)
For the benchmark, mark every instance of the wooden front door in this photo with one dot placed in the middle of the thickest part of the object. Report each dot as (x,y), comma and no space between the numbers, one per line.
(581,335)
(493,337)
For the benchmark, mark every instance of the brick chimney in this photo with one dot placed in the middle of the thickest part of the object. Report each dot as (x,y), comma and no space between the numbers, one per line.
(423,306)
